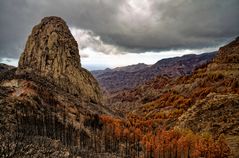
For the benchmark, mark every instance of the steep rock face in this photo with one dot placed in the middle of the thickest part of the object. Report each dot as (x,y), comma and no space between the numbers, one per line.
(51,51)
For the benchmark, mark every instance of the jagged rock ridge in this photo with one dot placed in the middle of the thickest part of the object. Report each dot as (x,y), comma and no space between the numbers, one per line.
(51,51)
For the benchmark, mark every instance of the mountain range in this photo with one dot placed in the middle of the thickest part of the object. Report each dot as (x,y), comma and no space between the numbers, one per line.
(128,77)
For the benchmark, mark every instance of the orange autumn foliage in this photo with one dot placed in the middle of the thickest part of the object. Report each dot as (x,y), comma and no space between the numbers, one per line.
(172,142)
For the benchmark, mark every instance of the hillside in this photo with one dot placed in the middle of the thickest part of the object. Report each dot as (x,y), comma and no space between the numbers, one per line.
(128,77)
(49,104)
(4,67)
(205,102)
(216,78)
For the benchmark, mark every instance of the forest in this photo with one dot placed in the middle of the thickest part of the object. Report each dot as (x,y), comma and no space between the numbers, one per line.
(131,138)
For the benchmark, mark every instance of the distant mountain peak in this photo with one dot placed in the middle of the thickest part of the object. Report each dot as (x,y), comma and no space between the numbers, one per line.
(131,68)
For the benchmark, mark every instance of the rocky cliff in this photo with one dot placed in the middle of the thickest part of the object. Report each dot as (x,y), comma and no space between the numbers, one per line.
(50,105)
(52,52)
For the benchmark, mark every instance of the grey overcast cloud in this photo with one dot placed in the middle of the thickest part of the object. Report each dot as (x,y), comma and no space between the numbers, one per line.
(121,27)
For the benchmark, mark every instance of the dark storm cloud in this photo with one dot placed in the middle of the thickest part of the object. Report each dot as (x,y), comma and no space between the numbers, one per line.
(17,17)
(133,24)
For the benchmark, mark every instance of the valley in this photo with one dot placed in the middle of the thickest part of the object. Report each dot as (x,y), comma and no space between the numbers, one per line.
(50,106)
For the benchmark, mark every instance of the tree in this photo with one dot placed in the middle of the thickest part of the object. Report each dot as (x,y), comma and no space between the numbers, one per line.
(126,134)
(224,150)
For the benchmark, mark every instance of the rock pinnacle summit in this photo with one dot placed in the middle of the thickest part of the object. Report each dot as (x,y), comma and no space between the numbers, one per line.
(52,52)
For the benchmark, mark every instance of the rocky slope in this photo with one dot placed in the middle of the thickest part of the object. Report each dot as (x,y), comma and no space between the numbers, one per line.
(128,77)
(205,102)
(219,77)
(50,105)
(4,67)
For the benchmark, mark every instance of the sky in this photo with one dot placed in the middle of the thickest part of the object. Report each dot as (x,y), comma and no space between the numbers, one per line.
(112,33)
